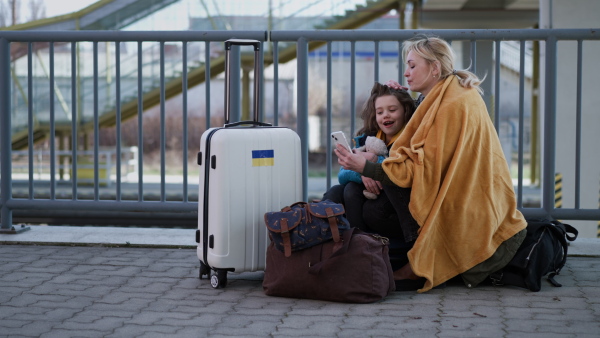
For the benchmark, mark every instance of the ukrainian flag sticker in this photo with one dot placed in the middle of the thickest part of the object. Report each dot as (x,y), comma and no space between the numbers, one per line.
(263,158)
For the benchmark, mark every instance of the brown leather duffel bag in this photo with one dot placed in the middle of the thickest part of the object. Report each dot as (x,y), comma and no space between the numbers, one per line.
(355,270)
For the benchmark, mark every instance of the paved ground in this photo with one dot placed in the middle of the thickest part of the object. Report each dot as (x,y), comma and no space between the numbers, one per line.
(90,283)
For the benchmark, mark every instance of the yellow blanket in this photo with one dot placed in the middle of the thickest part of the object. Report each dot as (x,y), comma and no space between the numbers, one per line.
(462,194)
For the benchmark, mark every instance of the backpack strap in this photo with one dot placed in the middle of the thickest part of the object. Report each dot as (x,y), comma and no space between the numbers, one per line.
(569,229)
(562,232)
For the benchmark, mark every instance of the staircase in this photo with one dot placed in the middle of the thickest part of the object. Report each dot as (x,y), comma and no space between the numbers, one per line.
(110,10)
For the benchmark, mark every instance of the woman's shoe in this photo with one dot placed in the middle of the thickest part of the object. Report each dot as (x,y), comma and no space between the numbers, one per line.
(409,284)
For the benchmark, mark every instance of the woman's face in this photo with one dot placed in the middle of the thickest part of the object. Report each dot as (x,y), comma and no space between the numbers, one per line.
(389,115)
(420,74)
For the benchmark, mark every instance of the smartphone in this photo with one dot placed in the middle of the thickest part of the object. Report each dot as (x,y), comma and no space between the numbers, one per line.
(339,138)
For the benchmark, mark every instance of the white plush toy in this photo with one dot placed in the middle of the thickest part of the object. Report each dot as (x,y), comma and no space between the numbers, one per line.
(377,147)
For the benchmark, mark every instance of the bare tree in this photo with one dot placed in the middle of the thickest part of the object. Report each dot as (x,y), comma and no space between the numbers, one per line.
(37,10)
(15,6)
(5,13)
(10,11)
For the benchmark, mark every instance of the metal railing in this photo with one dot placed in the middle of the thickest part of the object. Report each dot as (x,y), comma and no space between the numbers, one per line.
(185,208)
(548,143)
(117,207)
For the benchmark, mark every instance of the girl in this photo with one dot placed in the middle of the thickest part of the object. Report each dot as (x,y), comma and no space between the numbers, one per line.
(384,116)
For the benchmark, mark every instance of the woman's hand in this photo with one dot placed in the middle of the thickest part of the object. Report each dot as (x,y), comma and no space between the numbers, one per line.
(371,185)
(348,160)
(395,85)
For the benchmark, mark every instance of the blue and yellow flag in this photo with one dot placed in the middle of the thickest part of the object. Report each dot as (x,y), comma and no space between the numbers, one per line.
(263,158)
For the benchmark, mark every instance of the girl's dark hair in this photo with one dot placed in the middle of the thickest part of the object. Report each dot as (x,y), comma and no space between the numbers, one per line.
(368,112)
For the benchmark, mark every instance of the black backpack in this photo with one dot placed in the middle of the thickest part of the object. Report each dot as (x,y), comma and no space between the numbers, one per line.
(543,252)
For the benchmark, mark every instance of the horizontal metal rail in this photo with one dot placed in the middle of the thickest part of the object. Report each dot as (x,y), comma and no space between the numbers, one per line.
(121,36)
(448,34)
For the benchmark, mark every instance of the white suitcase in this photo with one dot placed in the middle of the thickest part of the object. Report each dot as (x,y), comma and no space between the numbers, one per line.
(246,169)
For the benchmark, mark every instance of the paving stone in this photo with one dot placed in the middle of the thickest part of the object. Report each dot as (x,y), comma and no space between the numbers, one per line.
(138,292)
(158,331)
(78,332)
(245,325)
(315,326)
(32,329)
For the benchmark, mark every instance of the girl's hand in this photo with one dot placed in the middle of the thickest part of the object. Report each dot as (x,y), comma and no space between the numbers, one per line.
(368,156)
(395,85)
(371,185)
(348,160)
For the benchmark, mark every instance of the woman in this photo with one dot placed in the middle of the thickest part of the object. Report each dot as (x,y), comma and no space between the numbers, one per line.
(450,164)
(384,116)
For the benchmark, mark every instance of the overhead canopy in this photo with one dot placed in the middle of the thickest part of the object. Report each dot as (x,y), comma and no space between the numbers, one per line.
(473,14)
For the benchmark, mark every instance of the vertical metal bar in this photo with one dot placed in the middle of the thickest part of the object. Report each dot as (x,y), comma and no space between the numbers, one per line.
(163,138)
(30,121)
(302,104)
(535,88)
(5,136)
(352,88)
(118,117)
(521,123)
(578,124)
(96,128)
(549,163)
(207,82)
(400,62)
(74,121)
(275,84)
(497,88)
(140,124)
(52,126)
(255,89)
(474,56)
(376,63)
(328,125)
(258,85)
(184,98)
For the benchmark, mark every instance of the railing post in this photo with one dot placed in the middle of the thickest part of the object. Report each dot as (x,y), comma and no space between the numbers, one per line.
(5,136)
(549,127)
(6,226)
(302,114)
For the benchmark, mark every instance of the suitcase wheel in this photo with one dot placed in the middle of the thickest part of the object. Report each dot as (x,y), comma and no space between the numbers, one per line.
(204,270)
(219,279)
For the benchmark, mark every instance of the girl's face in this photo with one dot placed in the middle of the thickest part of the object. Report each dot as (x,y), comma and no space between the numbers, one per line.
(420,74)
(389,115)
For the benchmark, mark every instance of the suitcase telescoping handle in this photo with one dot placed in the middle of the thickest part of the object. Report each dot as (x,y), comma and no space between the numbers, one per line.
(242,42)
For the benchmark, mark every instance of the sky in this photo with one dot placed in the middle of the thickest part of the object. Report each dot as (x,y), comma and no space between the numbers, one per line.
(60,7)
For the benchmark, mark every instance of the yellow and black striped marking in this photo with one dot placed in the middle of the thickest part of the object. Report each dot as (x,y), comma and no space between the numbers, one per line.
(558,190)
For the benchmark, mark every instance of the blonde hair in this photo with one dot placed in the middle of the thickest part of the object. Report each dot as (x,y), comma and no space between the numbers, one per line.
(434,49)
